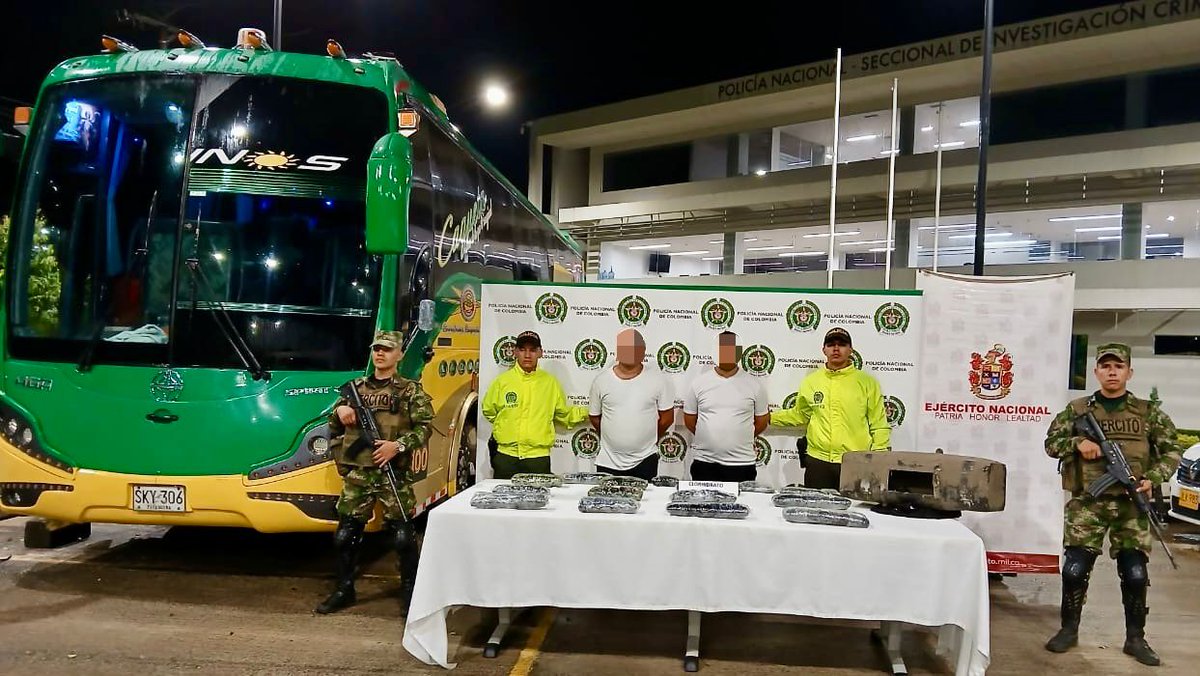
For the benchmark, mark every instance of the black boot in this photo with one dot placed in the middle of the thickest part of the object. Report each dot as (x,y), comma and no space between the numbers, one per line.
(346,541)
(405,543)
(1077,570)
(1131,566)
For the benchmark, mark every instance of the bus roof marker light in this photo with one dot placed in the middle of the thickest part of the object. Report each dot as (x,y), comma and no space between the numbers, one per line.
(334,49)
(111,45)
(189,41)
(407,121)
(253,38)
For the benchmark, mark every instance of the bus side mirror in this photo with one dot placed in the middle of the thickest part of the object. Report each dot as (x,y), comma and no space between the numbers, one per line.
(389,180)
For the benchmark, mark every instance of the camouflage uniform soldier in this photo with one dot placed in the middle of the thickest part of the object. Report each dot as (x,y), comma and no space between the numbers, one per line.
(1148,439)
(403,412)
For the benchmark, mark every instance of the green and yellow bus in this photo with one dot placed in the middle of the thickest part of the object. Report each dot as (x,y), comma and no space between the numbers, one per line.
(202,243)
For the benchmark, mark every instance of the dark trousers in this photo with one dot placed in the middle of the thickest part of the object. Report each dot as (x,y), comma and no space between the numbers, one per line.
(646,469)
(821,474)
(505,466)
(712,471)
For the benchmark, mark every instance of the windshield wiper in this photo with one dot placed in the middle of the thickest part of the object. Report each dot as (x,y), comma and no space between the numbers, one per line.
(136,267)
(228,328)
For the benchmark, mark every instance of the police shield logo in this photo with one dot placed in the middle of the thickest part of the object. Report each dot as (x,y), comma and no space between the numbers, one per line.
(590,354)
(758,360)
(856,359)
(804,316)
(717,313)
(991,375)
(672,447)
(893,408)
(762,452)
(891,319)
(550,308)
(504,351)
(674,358)
(510,398)
(585,443)
(818,397)
(789,402)
(633,311)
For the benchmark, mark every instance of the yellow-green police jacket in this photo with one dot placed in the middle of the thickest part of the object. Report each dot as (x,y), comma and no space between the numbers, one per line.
(843,410)
(523,408)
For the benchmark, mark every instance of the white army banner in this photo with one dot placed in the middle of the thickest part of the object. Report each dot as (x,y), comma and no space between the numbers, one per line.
(994,369)
(781,332)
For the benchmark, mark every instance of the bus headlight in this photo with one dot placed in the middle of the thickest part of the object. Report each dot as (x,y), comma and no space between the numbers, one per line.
(313,449)
(319,446)
(19,434)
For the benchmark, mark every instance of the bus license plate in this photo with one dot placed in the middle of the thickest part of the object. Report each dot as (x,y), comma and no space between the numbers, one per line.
(158,498)
(1189,499)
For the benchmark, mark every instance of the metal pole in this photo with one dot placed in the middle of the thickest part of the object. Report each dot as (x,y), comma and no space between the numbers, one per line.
(277,38)
(891,224)
(937,209)
(937,190)
(837,114)
(985,123)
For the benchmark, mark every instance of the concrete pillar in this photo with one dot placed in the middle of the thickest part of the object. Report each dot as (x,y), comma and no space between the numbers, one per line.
(1135,101)
(569,176)
(1133,233)
(1191,245)
(733,254)
(534,191)
(908,128)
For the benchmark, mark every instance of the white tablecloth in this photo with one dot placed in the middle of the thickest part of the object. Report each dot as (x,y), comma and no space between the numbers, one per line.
(925,572)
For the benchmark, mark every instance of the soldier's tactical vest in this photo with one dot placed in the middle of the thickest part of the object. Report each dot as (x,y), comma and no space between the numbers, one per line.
(389,404)
(1126,426)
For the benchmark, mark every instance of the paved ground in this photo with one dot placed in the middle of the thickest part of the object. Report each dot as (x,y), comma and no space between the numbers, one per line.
(136,600)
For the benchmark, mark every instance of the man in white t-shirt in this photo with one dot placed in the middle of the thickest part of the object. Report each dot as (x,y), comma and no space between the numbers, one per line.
(725,408)
(632,407)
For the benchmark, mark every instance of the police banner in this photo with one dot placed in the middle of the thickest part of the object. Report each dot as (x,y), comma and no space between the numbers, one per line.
(780,330)
(994,372)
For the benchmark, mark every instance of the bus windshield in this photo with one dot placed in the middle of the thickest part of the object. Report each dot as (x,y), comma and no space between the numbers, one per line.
(154,203)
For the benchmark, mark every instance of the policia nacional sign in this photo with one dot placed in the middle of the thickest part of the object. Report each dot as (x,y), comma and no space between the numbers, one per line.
(1050,30)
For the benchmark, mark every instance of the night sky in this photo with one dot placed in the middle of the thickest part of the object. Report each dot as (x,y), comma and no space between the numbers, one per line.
(556,56)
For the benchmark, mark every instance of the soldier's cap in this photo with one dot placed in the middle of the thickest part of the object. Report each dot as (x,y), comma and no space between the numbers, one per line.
(1119,350)
(530,338)
(387,339)
(839,334)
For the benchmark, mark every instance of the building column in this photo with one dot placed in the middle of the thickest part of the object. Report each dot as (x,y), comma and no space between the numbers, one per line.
(908,128)
(733,254)
(1135,101)
(534,193)
(1133,233)
(1191,244)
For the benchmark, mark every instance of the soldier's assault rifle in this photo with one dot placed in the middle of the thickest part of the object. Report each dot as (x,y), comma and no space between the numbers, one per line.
(369,430)
(1119,472)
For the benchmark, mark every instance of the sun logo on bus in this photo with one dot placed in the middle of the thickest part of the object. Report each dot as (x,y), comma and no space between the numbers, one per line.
(272,160)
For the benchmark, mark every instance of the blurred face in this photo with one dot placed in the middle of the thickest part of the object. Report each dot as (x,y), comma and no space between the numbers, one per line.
(385,358)
(528,356)
(631,348)
(727,350)
(837,353)
(1113,374)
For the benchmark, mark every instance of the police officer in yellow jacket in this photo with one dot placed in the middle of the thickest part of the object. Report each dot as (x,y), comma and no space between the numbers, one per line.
(523,404)
(843,410)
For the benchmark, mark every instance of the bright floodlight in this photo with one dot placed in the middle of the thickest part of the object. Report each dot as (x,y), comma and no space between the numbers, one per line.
(495,95)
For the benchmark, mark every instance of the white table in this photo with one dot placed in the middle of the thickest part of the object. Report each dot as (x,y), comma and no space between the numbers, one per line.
(931,573)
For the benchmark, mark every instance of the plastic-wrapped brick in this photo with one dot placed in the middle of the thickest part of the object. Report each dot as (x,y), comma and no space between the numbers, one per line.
(591,478)
(709,510)
(607,504)
(815,500)
(521,490)
(625,481)
(825,517)
(702,495)
(754,487)
(488,500)
(543,480)
(664,481)
(615,491)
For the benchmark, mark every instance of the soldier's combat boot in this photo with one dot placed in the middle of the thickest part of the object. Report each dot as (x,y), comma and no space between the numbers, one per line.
(1077,570)
(346,541)
(407,557)
(1131,566)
